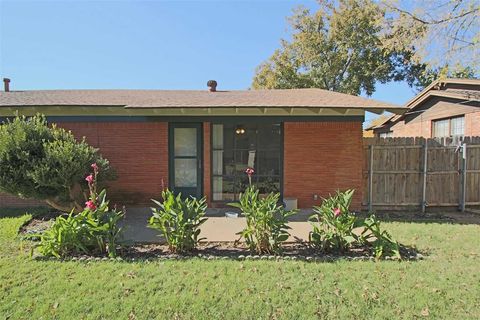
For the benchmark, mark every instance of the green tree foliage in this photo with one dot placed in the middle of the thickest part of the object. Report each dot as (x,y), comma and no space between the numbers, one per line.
(350,45)
(445,33)
(45,162)
(338,48)
(430,74)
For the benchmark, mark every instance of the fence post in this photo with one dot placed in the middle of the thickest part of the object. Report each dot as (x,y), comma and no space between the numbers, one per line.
(464,177)
(370,180)
(425,171)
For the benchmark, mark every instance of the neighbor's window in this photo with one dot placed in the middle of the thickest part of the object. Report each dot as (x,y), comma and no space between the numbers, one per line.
(386,134)
(451,127)
(457,126)
(235,147)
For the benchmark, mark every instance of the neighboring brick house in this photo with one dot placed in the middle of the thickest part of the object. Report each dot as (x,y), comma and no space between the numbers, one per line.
(446,108)
(303,143)
(368,132)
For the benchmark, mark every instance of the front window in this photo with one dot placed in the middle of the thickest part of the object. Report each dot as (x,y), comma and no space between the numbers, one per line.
(235,147)
(452,127)
(386,134)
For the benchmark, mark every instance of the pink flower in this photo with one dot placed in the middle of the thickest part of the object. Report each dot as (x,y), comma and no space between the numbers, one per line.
(337,212)
(249,171)
(90,205)
(89,179)
(94,167)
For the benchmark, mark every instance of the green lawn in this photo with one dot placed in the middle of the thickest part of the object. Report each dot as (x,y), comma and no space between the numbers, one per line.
(446,285)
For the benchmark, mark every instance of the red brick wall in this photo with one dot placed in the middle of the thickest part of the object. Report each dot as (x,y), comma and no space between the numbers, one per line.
(206,162)
(138,151)
(413,129)
(321,157)
(9,201)
(472,124)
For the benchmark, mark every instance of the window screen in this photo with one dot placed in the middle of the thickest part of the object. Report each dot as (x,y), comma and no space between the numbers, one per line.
(235,147)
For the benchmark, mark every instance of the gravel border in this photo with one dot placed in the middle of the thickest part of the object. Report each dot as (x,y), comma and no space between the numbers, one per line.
(312,258)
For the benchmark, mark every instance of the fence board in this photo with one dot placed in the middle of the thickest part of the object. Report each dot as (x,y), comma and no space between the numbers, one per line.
(397,176)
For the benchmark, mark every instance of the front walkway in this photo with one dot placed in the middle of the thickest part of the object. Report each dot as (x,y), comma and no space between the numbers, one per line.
(217,228)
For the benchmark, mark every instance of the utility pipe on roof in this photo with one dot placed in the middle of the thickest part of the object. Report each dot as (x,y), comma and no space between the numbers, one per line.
(6,84)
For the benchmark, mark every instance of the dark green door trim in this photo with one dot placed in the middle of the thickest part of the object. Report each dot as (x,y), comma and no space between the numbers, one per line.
(196,191)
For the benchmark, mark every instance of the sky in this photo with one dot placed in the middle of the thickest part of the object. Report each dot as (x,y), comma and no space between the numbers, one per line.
(146,44)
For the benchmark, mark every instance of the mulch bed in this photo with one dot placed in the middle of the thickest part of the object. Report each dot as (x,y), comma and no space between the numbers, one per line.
(38,224)
(237,251)
(212,250)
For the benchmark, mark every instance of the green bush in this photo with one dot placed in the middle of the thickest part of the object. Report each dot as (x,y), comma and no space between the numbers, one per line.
(45,162)
(179,220)
(333,223)
(95,229)
(266,221)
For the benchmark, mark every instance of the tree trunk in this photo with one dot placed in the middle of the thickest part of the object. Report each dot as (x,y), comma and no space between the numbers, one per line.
(64,206)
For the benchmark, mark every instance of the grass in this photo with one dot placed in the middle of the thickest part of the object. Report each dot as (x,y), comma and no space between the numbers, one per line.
(446,285)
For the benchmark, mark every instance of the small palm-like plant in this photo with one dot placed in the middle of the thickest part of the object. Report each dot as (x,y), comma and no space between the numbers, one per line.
(380,240)
(333,223)
(179,220)
(266,221)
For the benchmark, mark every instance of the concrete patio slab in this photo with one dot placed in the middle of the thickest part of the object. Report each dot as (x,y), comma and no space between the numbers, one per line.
(217,228)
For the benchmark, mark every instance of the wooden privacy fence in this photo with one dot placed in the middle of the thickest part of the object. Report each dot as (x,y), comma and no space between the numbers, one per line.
(419,173)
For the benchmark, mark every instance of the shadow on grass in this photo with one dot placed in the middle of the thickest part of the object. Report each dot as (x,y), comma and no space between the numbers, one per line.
(17,212)
(452,217)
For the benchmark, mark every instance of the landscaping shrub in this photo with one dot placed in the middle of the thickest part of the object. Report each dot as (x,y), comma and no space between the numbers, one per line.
(380,240)
(266,221)
(333,223)
(69,235)
(45,162)
(95,229)
(333,228)
(179,220)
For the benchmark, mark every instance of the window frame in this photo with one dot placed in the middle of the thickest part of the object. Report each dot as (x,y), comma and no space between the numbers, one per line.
(387,134)
(238,121)
(449,119)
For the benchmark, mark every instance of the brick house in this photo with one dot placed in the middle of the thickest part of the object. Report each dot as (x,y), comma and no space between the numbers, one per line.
(303,143)
(446,108)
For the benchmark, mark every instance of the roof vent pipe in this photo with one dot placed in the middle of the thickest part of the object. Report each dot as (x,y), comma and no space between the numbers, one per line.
(212,85)
(6,84)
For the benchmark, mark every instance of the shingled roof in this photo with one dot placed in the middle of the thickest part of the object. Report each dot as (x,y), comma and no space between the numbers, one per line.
(191,99)
(438,88)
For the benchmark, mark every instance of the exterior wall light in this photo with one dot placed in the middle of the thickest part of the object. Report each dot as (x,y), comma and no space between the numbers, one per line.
(240,130)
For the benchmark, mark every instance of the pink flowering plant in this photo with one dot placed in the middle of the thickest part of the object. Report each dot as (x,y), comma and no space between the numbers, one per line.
(249,171)
(333,223)
(337,229)
(93,230)
(267,220)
